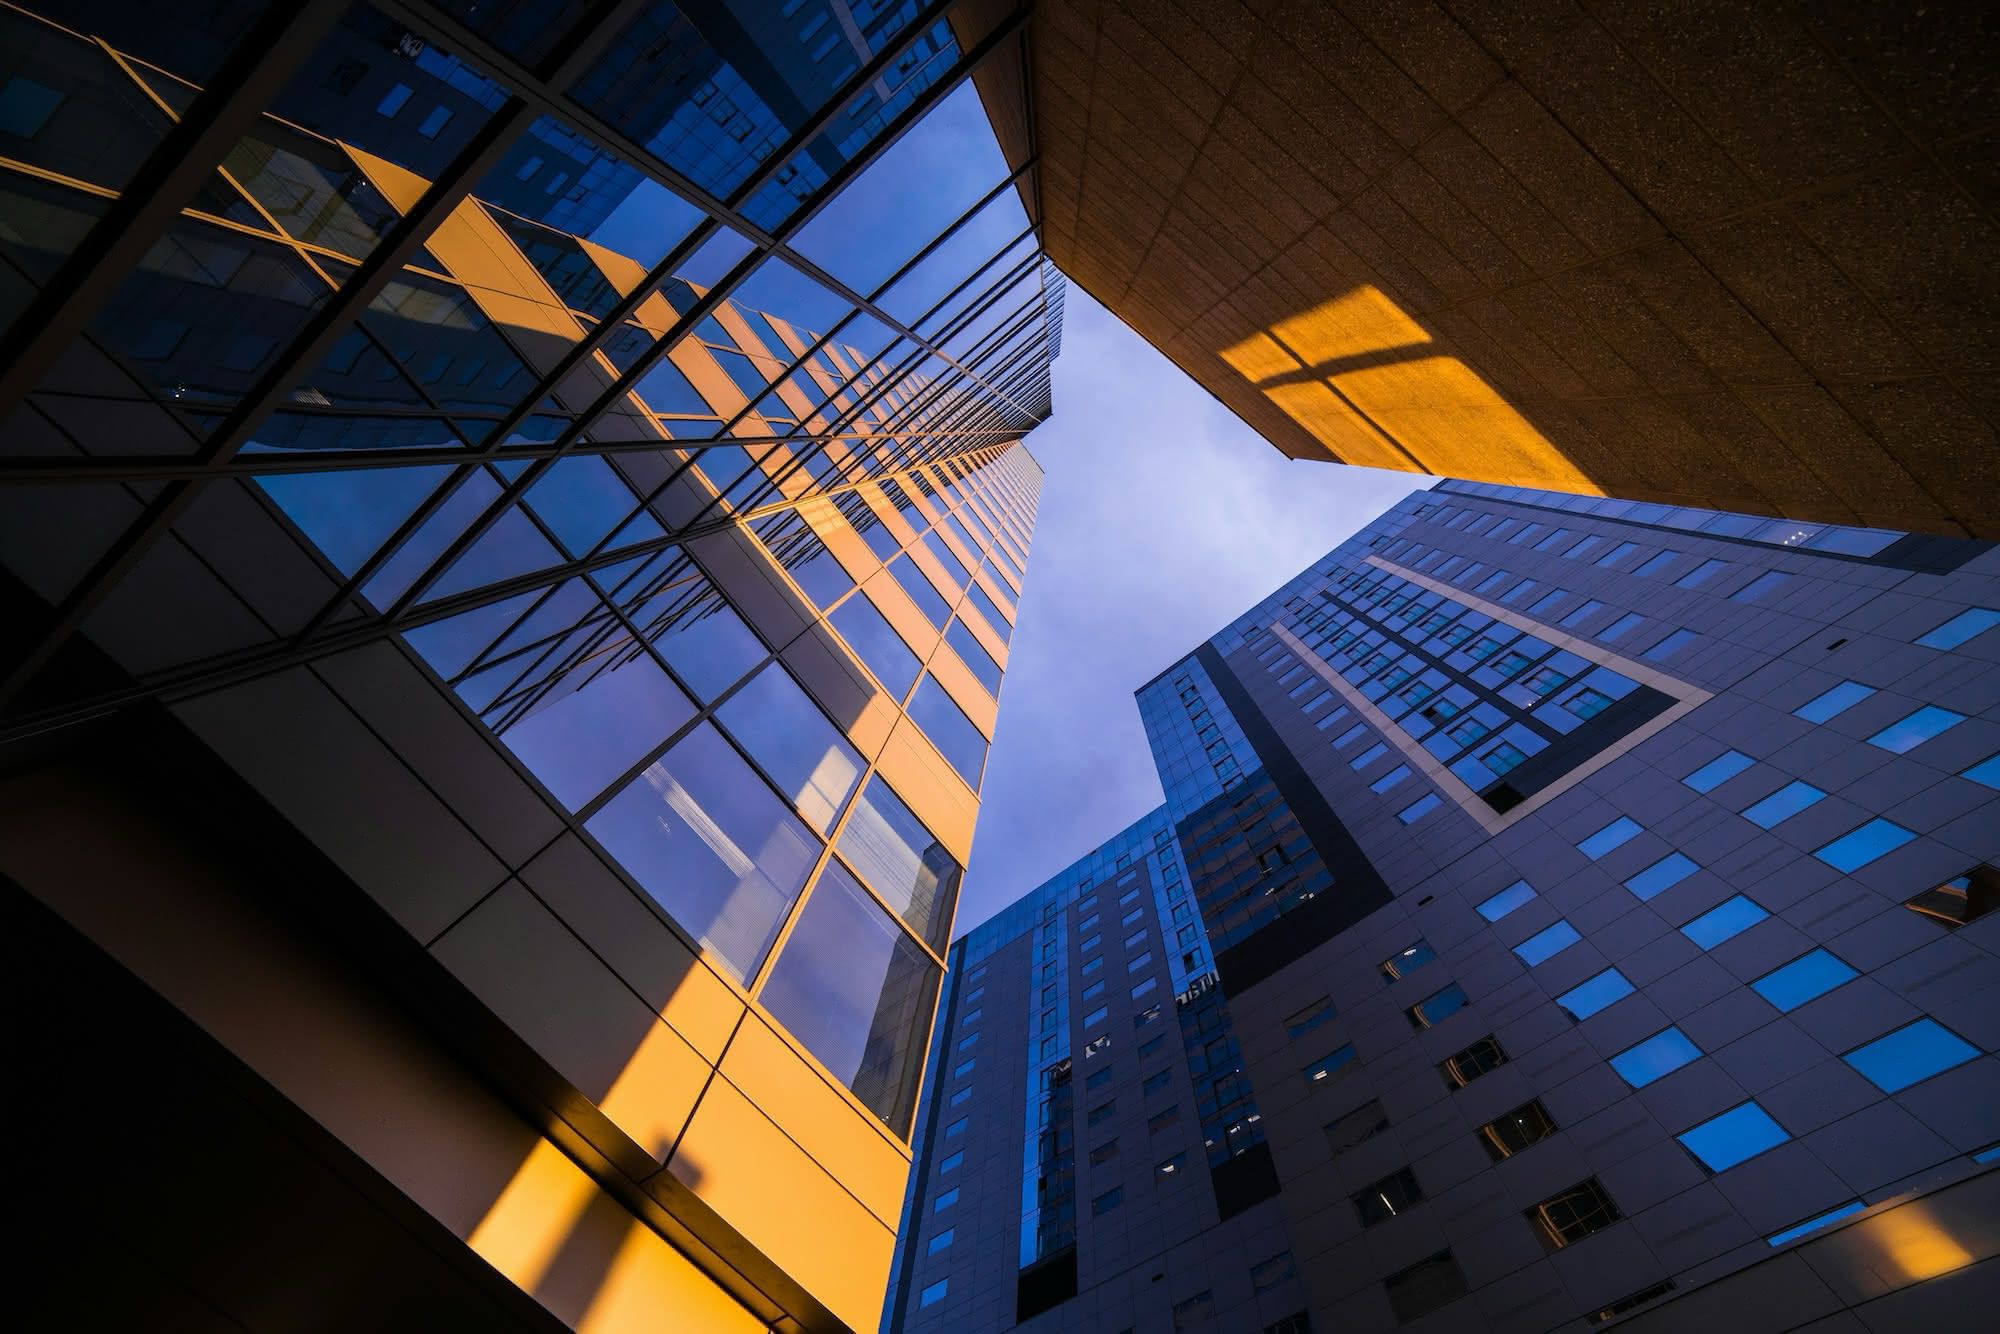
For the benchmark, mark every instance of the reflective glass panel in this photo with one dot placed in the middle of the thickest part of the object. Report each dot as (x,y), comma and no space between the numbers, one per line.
(1614,835)
(1854,850)
(1547,943)
(793,742)
(1907,733)
(1732,915)
(1663,874)
(1830,703)
(1962,627)
(890,849)
(1506,900)
(857,992)
(1802,979)
(1592,995)
(1736,1136)
(590,727)
(954,734)
(710,841)
(1783,804)
(1910,1055)
(1664,1052)
(1718,771)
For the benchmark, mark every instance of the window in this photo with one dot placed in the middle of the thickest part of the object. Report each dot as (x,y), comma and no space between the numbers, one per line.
(1587,703)
(1726,919)
(1364,1122)
(1104,1153)
(1856,848)
(1161,1120)
(963,1069)
(1156,1081)
(1581,614)
(1547,943)
(1462,1067)
(1621,627)
(934,1293)
(1614,835)
(1380,1201)
(1424,1287)
(1368,756)
(1961,899)
(1096,1016)
(1718,771)
(940,1241)
(1783,804)
(1661,1054)
(1390,779)
(1096,1045)
(393,101)
(1986,772)
(1093,991)
(1701,574)
(1506,901)
(1906,734)
(1195,1312)
(1150,1045)
(955,1129)
(1669,646)
(1637,1299)
(1657,562)
(1419,808)
(1593,994)
(1436,1006)
(1910,1055)
(1755,590)
(1816,1222)
(1662,875)
(1804,978)
(945,1200)
(1569,1216)
(1329,1065)
(1138,961)
(1146,1016)
(1617,553)
(1145,988)
(1506,1135)
(1091,965)
(1962,627)
(1306,1020)
(1099,1079)
(1736,1136)
(950,1161)
(960,1097)
(1401,965)
(1170,1167)
(1831,703)
(1350,735)
(1268,1274)
(1101,1113)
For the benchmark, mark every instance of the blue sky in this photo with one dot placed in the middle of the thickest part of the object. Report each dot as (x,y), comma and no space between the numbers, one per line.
(1162,517)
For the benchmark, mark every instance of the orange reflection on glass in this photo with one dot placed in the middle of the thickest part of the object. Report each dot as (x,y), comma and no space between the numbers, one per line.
(1916,1244)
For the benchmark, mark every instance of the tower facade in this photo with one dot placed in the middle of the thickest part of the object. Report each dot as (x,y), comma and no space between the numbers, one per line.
(511,526)
(1600,902)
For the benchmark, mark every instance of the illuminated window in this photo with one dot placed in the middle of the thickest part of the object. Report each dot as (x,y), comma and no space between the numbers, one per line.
(934,1293)
(1907,733)
(1614,835)
(1462,1067)
(1662,875)
(1569,1216)
(1504,1136)
(1804,978)
(1506,901)
(1728,918)
(1547,943)
(1718,771)
(1815,1223)
(1910,1055)
(1783,804)
(1858,847)
(1961,899)
(1661,1054)
(1831,703)
(1962,627)
(1736,1136)
(1402,964)
(1594,994)
(1437,1006)
(1380,1201)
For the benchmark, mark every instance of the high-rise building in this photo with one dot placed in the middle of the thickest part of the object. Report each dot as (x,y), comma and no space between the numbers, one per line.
(1725,254)
(1564,911)
(511,529)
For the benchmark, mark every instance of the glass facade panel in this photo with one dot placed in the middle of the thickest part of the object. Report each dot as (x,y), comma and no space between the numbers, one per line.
(1733,1137)
(858,992)
(897,857)
(795,745)
(1803,979)
(1661,1054)
(1910,1055)
(1857,848)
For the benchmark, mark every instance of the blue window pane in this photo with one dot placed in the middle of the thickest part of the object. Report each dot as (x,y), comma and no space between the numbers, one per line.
(950,1161)
(954,734)
(1757,588)
(1583,613)
(991,611)
(1961,627)
(1802,979)
(1906,734)
(1588,997)
(922,592)
(898,858)
(1613,835)
(1832,702)
(1701,574)
(974,655)
(1368,756)
(1852,851)
(1664,1052)
(1663,874)
(1547,943)
(708,646)
(939,1242)
(802,752)
(1621,627)
(1328,1065)
(945,1199)
(584,734)
(708,839)
(876,643)
(349,513)
(857,991)
(1739,1134)
(1987,771)
(1910,1055)
(1669,646)
(934,1293)
(1726,919)
(1390,779)
(1718,771)
(1419,808)
(1506,900)
(1814,1223)
(1783,804)
(1436,1006)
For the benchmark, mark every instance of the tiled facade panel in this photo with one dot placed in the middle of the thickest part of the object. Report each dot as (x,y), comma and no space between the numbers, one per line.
(1722,255)
(1694,906)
